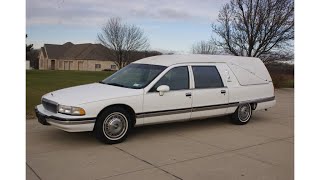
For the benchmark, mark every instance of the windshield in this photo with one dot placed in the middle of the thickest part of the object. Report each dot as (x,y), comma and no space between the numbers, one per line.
(135,76)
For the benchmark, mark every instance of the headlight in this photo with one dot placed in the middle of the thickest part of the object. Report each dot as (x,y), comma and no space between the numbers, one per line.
(71,110)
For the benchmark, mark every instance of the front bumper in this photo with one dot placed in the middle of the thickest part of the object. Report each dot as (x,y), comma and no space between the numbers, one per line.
(63,123)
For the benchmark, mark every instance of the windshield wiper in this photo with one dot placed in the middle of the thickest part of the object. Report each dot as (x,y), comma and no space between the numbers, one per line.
(116,84)
(101,82)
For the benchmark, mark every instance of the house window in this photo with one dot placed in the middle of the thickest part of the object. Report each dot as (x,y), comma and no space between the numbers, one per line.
(98,66)
(113,67)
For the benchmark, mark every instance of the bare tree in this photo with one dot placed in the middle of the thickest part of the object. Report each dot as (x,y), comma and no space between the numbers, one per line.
(204,47)
(29,49)
(257,28)
(122,40)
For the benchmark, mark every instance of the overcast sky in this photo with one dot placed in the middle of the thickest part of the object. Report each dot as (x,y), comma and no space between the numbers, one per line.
(169,25)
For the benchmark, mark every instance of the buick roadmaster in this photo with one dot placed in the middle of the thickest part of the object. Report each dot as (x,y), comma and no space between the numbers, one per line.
(161,89)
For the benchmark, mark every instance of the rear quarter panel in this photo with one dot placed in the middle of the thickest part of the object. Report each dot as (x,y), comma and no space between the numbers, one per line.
(240,93)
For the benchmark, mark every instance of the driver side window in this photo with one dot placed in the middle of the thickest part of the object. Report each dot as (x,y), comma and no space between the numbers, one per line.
(177,79)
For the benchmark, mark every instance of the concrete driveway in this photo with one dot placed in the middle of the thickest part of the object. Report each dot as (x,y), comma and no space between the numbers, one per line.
(203,149)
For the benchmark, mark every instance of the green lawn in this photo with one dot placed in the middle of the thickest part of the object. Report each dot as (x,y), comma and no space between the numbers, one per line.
(282,80)
(40,82)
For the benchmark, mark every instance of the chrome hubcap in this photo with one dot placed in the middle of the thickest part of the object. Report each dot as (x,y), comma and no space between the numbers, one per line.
(115,126)
(244,113)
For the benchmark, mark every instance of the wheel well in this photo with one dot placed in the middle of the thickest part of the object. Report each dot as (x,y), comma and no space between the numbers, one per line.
(126,107)
(253,106)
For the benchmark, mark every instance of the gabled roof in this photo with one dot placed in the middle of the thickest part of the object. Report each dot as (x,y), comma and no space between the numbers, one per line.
(71,51)
(44,52)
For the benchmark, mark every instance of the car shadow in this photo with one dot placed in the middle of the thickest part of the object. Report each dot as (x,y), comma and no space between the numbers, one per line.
(88,138)
(173,127)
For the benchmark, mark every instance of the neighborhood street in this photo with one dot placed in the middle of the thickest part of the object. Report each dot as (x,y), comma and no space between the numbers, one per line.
(201,149)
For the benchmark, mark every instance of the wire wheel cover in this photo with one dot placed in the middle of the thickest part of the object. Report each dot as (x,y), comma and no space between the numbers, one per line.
(244,112)
(115,126)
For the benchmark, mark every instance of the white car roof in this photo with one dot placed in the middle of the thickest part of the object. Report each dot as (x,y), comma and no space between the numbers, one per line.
(168,60)
(248,70)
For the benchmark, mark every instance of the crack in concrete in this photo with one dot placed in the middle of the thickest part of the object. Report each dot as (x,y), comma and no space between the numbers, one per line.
(33,171)
(158,167)
(128,172)
(227,151)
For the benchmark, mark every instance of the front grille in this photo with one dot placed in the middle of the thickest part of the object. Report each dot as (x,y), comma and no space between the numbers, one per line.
(49,105)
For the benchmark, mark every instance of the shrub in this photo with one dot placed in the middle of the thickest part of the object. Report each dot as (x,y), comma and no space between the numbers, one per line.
(282,74)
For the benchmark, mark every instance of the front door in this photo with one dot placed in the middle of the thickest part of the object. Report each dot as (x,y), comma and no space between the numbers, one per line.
(210,96)
(53,64)
(172,105)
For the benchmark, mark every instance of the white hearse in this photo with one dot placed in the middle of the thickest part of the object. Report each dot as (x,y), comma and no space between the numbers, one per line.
(161,89)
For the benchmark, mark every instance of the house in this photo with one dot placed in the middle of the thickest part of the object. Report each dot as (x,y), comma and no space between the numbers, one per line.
(69,56)
(28,65)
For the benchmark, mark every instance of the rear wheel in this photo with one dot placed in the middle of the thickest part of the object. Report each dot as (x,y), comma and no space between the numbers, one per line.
(113,125)
(242,115)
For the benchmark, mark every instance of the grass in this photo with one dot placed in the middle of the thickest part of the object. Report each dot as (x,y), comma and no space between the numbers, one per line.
(282,75)
(40,82)
(282,80)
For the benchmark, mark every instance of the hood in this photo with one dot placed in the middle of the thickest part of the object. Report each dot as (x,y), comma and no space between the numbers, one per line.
(89,93)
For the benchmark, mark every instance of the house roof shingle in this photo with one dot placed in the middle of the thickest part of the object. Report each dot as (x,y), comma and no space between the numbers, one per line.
(70,51)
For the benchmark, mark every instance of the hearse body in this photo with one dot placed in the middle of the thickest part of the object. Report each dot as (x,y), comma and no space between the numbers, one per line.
(161,89)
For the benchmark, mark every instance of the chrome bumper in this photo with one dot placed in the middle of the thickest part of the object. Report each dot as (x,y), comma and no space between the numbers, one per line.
(70,125)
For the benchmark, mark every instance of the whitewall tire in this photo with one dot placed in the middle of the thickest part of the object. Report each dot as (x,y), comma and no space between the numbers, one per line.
(242,115)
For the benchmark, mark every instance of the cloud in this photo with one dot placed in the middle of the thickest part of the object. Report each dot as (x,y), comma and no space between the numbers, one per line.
(95,12)
(174,14)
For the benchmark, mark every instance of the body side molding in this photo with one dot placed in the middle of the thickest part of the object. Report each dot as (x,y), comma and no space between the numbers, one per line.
(202,108)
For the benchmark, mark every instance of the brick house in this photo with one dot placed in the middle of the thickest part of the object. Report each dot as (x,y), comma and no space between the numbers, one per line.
(69,56)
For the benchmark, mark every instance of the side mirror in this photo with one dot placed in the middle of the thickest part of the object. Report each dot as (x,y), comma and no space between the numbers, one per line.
(163,88)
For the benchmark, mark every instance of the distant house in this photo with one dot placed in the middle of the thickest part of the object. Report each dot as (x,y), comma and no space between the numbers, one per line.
(28,65)
(69,56)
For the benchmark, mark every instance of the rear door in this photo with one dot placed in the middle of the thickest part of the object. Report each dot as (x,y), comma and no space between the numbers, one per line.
(210,96)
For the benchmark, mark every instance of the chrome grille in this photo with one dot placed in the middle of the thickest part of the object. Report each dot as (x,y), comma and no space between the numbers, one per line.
(49,105)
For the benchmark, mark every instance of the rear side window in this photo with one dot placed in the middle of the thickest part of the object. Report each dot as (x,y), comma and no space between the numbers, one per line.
(206,77)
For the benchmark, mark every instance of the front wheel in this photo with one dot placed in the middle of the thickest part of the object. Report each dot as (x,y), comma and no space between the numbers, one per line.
(113,125)
(242,115)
